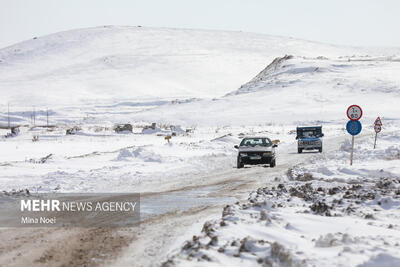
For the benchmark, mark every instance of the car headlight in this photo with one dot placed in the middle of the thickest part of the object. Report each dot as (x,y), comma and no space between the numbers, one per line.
(268,153)
(243,154)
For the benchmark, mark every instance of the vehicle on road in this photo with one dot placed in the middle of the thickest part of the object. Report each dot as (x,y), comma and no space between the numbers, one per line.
(309,138)
(256,150)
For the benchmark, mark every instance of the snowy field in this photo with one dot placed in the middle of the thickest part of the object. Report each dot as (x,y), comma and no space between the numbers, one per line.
(98,160)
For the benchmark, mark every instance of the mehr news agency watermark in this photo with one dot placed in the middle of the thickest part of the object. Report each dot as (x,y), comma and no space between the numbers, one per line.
(70,210)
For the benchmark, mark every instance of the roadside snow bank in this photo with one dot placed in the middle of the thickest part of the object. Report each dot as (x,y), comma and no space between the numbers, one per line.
(369,163)
(138,154)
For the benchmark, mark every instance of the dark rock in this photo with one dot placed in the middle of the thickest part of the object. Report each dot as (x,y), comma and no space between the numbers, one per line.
(72,130)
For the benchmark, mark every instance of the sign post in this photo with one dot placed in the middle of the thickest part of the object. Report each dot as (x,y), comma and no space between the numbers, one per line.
(377,128)
(353,127)
(352,150)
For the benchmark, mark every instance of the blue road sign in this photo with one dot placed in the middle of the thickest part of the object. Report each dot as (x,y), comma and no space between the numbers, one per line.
(353,127)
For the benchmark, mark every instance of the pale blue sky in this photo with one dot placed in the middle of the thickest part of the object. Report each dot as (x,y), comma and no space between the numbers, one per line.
(349,22)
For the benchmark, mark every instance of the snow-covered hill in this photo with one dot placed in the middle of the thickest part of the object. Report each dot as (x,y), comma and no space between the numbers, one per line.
(297,90)
(114,64)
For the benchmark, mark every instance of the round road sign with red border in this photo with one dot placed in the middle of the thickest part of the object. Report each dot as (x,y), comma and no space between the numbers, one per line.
(354,112)
(377,128)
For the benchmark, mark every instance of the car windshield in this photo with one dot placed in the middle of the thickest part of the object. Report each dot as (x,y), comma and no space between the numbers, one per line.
(256,142)
(309,133)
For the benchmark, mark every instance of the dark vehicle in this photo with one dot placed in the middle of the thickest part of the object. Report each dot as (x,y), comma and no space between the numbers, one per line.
(256,150)
(309,138)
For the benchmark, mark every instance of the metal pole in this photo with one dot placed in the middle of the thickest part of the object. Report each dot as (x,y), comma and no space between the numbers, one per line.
(352,149)
(376,134)
(47,113)
(8,115)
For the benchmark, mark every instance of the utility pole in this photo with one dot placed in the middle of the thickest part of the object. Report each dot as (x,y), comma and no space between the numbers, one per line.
(8,116)
(34,116)
(47,114)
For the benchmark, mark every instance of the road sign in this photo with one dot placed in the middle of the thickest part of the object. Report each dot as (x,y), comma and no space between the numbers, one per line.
(354,112)
(377,128)
(378,121)
(354,127)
